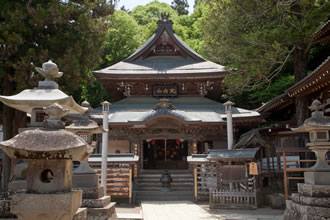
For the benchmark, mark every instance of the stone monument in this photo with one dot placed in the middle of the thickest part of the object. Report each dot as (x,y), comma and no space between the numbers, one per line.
(312,202)
(49,152)
(98,205)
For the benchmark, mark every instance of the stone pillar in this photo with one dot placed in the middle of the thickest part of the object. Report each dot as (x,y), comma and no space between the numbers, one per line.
(104,165)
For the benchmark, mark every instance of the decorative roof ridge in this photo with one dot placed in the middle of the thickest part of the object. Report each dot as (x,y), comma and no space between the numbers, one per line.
(164,25)
(320,31)
(273,102)
(290,90)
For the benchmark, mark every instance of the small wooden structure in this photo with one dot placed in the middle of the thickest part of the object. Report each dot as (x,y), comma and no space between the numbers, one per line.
(119,173)
(235,187)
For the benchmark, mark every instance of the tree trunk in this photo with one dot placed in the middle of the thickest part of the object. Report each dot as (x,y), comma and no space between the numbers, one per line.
(8,118)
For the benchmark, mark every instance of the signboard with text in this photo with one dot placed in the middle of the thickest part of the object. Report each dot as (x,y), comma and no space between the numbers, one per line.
(165,91)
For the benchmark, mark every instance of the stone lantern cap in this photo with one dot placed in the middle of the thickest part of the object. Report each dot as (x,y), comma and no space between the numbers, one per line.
(85,125)
(44,95)
(46,145)
(317,121)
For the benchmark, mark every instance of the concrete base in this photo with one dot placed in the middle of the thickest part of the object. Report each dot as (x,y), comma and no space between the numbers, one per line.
(317,178)
(105,213)
(275,201)
(30,206)
(81,214)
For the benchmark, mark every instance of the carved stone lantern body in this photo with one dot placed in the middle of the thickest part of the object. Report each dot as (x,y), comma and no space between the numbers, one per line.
(49,152)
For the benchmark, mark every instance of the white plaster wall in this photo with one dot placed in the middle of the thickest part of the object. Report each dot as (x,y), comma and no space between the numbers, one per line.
(121,145)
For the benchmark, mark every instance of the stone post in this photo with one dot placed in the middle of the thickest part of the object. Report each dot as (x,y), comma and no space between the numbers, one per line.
(230,138)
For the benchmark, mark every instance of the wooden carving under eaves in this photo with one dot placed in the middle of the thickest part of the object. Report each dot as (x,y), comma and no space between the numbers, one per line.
(164,104)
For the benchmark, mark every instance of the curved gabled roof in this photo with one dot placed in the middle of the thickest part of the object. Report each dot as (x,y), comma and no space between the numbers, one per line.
(163,53)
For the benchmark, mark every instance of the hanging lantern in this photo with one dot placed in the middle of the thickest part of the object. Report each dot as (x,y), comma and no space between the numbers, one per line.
(153,141)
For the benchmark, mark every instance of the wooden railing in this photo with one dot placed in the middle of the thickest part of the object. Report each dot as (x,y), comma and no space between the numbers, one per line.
(297,169)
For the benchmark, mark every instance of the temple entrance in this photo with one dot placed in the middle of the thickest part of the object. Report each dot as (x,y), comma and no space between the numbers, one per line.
(165,154)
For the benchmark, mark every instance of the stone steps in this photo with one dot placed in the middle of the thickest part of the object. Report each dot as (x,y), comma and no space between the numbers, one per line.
(149,186)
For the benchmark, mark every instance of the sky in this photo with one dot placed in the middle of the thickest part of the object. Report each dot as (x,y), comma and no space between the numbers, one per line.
(130,4)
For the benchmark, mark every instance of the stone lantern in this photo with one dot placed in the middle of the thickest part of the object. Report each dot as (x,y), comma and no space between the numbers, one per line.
(84,175)
(85,178)
(318,127)
(312,200)
(49,152)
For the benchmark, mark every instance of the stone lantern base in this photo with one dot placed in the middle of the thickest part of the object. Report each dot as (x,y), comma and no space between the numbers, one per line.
(52,206)
(312,202)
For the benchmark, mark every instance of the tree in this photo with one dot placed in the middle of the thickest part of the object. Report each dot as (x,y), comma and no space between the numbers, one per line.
(68,32)
(149,14)
(255,39)
(122,39)
(181,6)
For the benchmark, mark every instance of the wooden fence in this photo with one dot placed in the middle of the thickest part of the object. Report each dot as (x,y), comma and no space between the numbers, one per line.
(119,179)
(235,188)
(226,198)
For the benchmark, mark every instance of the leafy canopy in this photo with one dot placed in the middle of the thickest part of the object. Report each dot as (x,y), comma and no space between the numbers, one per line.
(68,32)
(254,39)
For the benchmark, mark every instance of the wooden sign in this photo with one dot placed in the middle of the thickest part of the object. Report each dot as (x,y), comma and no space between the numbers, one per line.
(253,168)
(165,91)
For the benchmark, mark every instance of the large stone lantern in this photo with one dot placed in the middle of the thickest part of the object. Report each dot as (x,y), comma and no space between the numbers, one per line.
(312,200)
(318,127)
(49,152)
(98,204)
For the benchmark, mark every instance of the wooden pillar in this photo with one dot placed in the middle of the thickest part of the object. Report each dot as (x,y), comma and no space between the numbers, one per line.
(285,177)
(195,182)
(194,147)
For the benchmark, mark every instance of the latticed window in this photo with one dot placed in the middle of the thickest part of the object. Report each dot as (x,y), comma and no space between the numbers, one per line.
(84,136)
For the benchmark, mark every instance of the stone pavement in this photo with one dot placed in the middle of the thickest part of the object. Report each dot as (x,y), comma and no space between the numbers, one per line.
(187,210)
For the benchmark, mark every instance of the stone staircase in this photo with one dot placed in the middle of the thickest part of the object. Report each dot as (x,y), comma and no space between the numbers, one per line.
(149,186)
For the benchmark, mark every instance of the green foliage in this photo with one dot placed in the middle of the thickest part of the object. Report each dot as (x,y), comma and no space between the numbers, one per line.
(68,32)
(124,37)
(149,14)
(254,39)
(181,6)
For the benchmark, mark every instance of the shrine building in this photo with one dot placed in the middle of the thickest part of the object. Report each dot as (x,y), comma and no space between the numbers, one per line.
(165,106)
